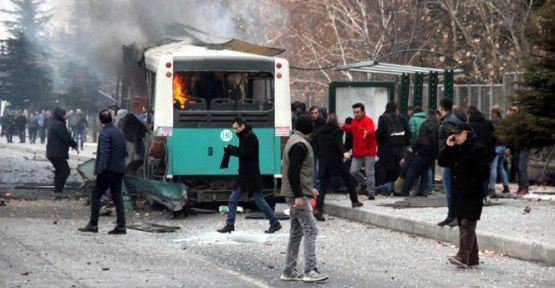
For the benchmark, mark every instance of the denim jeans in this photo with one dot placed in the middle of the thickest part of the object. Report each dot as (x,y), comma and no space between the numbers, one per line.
(418,167)
(370,179)
(446,179)
(260,203)
(79,137)
(42,134)
(522,172)
(496,168)
(303,224)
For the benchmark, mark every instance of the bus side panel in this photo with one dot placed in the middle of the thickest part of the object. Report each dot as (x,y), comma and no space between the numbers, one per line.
(199,151)
(277,156)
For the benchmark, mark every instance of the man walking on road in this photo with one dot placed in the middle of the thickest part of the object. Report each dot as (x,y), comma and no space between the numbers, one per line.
(469,164)
(109,168)
(296,187)
(364,149)
(249,180)
(58,142)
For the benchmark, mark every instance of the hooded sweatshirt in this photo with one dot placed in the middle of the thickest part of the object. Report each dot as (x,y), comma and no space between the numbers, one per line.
(58,139)
(414,125)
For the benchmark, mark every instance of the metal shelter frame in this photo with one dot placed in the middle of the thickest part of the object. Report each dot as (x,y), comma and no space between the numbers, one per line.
(405,71)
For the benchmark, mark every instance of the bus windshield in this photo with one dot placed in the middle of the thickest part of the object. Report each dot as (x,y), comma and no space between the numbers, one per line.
(223,91)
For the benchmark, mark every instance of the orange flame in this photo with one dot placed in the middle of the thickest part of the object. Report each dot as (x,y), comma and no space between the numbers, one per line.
(179,92)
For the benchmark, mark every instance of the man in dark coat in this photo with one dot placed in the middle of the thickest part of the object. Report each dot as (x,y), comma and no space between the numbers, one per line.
(109,168)
(328,142)
(425,151)
(249,180)
(467,159)
(393,136)
(21,123)
(58,142)
(448,121)
(484,131)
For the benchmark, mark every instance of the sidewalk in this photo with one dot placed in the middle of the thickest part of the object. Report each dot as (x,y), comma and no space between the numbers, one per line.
(88,153)
(504,228)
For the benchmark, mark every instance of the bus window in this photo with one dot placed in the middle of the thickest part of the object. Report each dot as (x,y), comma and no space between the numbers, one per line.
(223,91)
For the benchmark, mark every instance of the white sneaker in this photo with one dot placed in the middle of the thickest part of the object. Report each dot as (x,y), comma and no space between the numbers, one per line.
(295,276)
(314,276)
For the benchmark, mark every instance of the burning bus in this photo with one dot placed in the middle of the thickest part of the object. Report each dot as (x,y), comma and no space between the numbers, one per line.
(192,90)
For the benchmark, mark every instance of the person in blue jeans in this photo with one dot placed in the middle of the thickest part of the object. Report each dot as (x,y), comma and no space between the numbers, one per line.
(497,170)
(249,180)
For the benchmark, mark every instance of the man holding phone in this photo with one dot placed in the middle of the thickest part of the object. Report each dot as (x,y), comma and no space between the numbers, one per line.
(469,165)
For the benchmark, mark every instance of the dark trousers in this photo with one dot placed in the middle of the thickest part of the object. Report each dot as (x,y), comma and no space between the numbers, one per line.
(104,181)
(9,134)
(468,243)
(325,181)
(21,133)
(417,167)
(387,170)
(61,172)
(32,135)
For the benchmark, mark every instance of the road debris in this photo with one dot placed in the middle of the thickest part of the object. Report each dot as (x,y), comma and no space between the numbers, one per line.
(153,227)
(527,210)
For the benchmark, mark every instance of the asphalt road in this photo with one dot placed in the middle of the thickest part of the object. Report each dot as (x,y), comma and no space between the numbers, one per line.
(41,247)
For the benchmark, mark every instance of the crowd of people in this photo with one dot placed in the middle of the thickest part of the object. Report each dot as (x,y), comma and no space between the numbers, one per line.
(30,125)
(399,155)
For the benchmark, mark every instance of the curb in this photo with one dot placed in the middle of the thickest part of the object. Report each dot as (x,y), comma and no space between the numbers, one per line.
(39,150)
(511,246)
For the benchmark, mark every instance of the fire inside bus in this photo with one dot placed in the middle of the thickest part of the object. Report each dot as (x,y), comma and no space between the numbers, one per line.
(193,94)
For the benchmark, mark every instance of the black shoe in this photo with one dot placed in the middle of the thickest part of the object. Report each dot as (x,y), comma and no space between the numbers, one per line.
(227,229)
(457,261)
(89,228)
(453,223)
(118,231)
(371,197)
(356,204)
(273,228)
(446,221)
(60,196)
(319,216)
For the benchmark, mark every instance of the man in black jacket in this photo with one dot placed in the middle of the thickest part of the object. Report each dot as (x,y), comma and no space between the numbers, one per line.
(58,142)
(448,122)
(393,137)
(328,143)
(469,165)
(109,168)
(20,124)
(249,180)
(425,151)
(484,131)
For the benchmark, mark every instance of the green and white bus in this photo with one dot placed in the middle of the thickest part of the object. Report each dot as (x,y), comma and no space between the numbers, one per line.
(194,92)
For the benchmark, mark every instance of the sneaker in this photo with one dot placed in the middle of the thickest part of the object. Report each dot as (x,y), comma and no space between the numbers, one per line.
(295,276)
(371,197)
(118,231)
(506,189)
(319,216)
(456,261)
(89,228)
(314,276)
(273,228)
(60,196)
(357,204)
(491,193)
(446,221)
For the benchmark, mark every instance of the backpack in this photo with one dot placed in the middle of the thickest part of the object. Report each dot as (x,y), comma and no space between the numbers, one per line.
(395,130)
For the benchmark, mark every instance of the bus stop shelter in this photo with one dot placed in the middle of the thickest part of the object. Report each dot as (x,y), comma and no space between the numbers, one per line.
(405,71)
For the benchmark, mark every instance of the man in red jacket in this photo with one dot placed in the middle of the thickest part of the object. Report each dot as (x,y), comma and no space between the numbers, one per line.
(364,149)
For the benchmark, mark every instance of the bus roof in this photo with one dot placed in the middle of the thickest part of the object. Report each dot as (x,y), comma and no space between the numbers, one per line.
(229,50)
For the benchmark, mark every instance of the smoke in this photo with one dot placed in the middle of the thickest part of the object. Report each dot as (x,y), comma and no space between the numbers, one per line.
(91,33)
